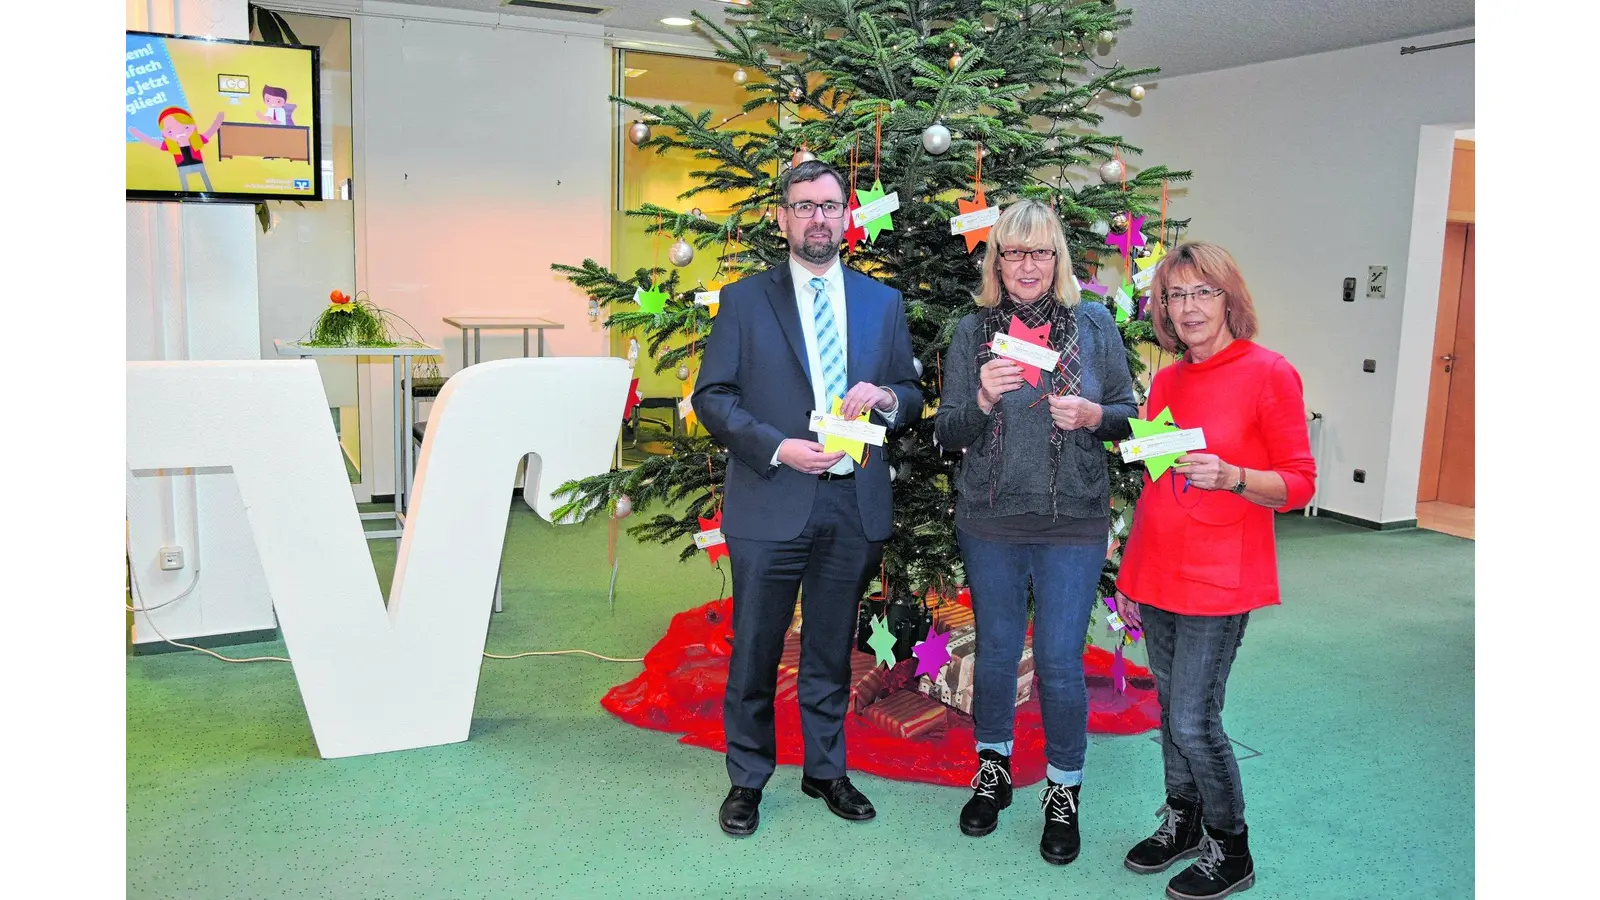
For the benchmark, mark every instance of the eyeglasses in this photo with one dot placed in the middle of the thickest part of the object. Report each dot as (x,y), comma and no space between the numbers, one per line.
(1200,295)
(1043,254)
(805,209)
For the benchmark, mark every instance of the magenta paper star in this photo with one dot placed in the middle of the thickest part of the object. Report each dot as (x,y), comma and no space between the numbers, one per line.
(1095,287)
(1133,237)
(932,653)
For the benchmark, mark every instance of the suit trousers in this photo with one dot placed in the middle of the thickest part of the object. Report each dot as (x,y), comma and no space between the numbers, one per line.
(828,566)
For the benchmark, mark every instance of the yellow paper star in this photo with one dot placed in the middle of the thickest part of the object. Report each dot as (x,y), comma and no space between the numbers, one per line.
(833,444)
(687,408)
(1156,253)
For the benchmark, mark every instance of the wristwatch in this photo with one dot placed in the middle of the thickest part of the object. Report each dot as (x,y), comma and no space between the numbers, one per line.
(1239,488)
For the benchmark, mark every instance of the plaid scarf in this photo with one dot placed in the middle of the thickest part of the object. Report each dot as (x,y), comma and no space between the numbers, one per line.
(1066,379)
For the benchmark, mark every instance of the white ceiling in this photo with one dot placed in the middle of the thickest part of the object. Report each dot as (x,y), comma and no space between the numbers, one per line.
(1181,36)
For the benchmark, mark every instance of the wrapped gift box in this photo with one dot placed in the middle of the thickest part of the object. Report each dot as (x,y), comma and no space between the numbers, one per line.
(953,686)
(868,680)
(909,714)
(951,616)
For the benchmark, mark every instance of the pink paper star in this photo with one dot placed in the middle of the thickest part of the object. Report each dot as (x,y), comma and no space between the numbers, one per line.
(932,653)
(1095,287)
(1039,336)
(1133,237)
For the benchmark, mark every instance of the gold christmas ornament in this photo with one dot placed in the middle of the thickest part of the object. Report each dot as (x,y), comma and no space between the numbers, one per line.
(1105,38)
(955,60)
(1119,223)
(740,76)
(795,95)
(801,155)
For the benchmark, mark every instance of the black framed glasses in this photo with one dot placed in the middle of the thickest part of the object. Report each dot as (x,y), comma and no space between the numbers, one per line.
(1200,295)
(1043,254)
(805,209)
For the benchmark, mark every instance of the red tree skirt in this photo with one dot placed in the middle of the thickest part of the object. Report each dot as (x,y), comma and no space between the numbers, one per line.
(685,673)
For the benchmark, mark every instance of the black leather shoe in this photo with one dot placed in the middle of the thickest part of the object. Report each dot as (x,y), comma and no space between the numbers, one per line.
(1224,868)
(991,792)
(841,796)
(741,811)
(1059,843)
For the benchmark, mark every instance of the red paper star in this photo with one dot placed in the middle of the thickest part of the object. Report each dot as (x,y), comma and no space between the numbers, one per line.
(978,201)
(634,396)
(853,233)
(715,551)
(1133,237)
(1039,336)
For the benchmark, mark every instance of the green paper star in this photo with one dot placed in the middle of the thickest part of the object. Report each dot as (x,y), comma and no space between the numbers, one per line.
(882,642)
(1162,423)
(884,222)
(1123,301)
(651,301)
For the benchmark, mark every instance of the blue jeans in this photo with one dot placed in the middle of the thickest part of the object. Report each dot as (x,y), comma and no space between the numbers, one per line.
(1064,583)
(1191,657)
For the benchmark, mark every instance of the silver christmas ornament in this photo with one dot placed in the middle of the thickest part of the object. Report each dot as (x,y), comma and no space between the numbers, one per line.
(638,133)
(1100,228)
(624,507)
(1105,38)
(1112,171)
(936,139)
(697,213)
(740,76)
(681,253)
(801,155)
(683,373)
(917,363)
(1136,92)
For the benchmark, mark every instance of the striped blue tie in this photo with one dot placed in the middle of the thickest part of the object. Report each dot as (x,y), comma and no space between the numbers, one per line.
(829,349)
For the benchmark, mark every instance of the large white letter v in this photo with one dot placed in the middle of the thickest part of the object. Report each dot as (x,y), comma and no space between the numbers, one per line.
(376,679)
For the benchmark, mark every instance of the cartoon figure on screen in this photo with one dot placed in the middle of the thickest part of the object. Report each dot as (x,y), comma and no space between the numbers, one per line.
(183,139)
(279,110)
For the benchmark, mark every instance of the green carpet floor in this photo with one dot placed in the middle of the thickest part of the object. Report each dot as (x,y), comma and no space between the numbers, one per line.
(1354,699)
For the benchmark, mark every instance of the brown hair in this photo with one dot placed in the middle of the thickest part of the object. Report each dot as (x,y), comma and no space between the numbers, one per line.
(1030,223)
(1199,261)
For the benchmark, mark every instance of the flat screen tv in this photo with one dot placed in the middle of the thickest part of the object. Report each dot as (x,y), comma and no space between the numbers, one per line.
(220,120)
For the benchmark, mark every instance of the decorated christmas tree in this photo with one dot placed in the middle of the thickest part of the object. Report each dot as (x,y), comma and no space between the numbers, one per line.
(939,110)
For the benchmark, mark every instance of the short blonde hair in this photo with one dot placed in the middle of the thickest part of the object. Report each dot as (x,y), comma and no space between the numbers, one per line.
(1199,261)
(1027,223)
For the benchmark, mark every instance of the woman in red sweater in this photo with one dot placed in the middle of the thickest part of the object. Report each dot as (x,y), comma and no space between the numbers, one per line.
(1201,553)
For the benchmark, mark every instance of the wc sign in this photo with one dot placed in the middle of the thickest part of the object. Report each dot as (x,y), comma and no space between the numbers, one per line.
(376,677)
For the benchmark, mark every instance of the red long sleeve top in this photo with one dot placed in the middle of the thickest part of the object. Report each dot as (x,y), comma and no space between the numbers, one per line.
(1213,553)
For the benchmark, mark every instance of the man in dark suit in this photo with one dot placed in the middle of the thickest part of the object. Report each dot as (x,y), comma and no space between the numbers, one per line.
(799,520)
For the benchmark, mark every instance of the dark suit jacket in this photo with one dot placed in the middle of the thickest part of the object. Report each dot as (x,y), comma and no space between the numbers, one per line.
(754,391)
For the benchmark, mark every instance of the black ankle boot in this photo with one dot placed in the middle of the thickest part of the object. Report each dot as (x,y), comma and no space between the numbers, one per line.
(1224,868)
(991,792)
(1177,838)
(1059,844)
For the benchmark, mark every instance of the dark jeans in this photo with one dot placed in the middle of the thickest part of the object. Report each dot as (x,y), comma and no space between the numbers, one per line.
(1064,579)
(1191,657)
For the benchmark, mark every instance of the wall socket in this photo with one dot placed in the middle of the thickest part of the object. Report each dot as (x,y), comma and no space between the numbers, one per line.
(1361,476)
(171,558)
(1349,290)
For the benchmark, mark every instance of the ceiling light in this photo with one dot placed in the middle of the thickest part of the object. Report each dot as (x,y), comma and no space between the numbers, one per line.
(677,22)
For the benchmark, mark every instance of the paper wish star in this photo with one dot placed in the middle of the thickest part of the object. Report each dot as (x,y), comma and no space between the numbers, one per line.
(1162,423)
(853,233)
(1123,300)
(1095,287)
(979,235)
(715,551)
(882,223)
(634,396)
(1039,336)
(651,301)
(686,408)
(882,642)
(833,443)
(1133,237)
(932,653)
(1153,259)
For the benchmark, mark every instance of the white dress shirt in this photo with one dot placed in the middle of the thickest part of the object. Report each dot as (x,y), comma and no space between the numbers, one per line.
(805,297)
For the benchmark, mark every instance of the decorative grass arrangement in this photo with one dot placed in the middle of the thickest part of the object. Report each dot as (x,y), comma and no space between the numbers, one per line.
(358,322)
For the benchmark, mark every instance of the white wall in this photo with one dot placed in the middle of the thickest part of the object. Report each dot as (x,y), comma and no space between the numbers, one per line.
(483,155)
(191,276)
(1306,169)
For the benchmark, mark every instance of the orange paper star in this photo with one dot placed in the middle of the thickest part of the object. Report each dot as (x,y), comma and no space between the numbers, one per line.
(977,202)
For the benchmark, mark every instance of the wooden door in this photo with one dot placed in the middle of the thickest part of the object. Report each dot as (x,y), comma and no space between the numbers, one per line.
(1447,440)
(1456,472)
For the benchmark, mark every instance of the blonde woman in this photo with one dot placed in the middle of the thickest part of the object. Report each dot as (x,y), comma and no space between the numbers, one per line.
(1033,502)
(181,137)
